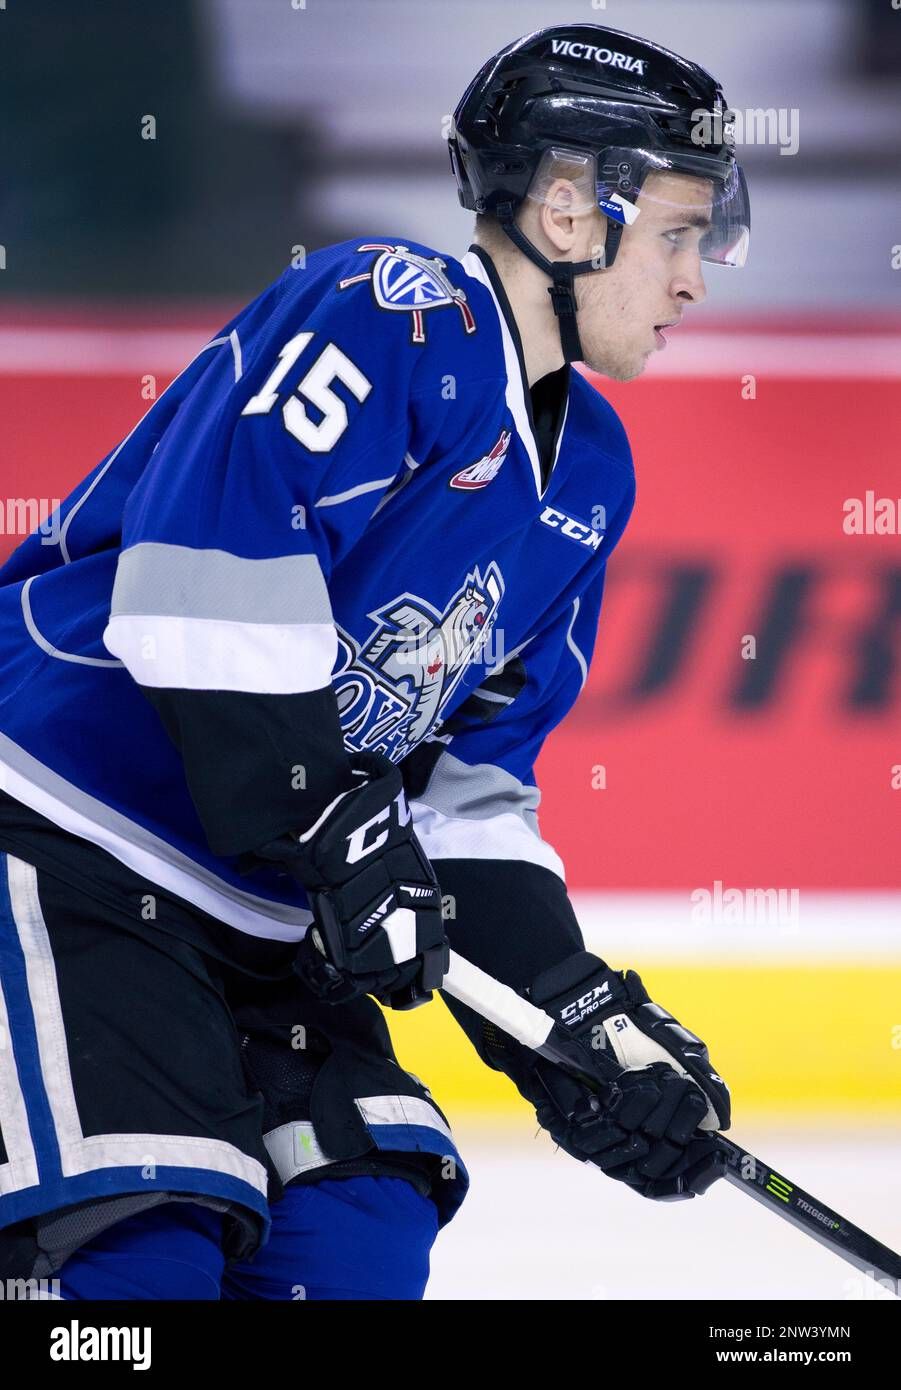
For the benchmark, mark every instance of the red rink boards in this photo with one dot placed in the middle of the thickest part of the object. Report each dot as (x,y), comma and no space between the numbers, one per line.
(772,770)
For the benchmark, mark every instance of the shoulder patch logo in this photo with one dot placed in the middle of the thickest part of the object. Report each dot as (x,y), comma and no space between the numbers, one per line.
(481,473)
(407,283)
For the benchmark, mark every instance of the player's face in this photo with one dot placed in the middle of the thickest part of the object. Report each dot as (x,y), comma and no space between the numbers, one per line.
(656,275)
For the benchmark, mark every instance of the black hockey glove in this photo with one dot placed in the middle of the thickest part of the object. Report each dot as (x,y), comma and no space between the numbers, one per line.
(662,1092)
(374,896)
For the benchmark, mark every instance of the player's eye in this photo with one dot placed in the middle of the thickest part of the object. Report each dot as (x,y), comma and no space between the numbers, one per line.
(686,238)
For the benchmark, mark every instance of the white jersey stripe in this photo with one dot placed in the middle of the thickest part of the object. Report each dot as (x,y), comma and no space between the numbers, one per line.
(168,652)
(506,836)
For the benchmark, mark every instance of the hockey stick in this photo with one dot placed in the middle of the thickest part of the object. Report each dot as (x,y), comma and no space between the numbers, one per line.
(533,1028)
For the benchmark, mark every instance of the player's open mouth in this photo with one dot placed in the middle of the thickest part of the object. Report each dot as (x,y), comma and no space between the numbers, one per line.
(658,332)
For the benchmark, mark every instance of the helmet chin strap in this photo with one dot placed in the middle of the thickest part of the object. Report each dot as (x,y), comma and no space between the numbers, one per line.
(562,273)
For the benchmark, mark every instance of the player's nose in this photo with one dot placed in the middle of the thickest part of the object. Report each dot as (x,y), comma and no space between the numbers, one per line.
(688,283)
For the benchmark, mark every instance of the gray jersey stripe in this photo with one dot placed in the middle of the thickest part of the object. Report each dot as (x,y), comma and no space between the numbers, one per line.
(236,353)
(393,491)
(353,492)
(583,665)
(479,792)
(176,581)
(483,694)
(38,637)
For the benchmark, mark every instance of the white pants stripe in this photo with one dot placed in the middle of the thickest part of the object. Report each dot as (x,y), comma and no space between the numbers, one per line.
(78,1153)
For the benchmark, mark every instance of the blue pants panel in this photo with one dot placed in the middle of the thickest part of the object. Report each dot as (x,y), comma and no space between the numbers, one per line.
(347,1238)
(343,1238)
(170,1251)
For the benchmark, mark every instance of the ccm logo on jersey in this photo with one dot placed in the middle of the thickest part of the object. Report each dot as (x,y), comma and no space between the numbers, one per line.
(575,530)
(480,473)
(586,1004)
(357,848)
(600,55)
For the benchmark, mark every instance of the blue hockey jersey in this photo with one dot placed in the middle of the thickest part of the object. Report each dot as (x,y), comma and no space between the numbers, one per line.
(343,490)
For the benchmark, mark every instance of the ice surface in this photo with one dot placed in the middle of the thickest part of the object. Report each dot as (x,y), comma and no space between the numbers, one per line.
(538,1225)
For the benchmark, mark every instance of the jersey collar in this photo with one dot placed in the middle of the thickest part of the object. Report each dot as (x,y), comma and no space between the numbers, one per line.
(479,265)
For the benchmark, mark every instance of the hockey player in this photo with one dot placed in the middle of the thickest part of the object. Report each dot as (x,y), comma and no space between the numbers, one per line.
(276,688)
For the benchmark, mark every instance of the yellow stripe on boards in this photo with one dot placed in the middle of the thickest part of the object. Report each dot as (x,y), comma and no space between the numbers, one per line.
(810,1041)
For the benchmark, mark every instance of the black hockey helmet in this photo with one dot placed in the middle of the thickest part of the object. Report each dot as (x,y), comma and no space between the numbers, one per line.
(617,108)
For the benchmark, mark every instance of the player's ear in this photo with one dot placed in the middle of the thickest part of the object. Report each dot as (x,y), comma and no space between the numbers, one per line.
(557,219)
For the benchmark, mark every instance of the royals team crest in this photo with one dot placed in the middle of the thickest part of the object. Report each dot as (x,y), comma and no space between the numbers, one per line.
(404,282)
(393,688)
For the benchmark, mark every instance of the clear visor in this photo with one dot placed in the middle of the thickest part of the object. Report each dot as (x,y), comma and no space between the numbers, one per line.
(697,202)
